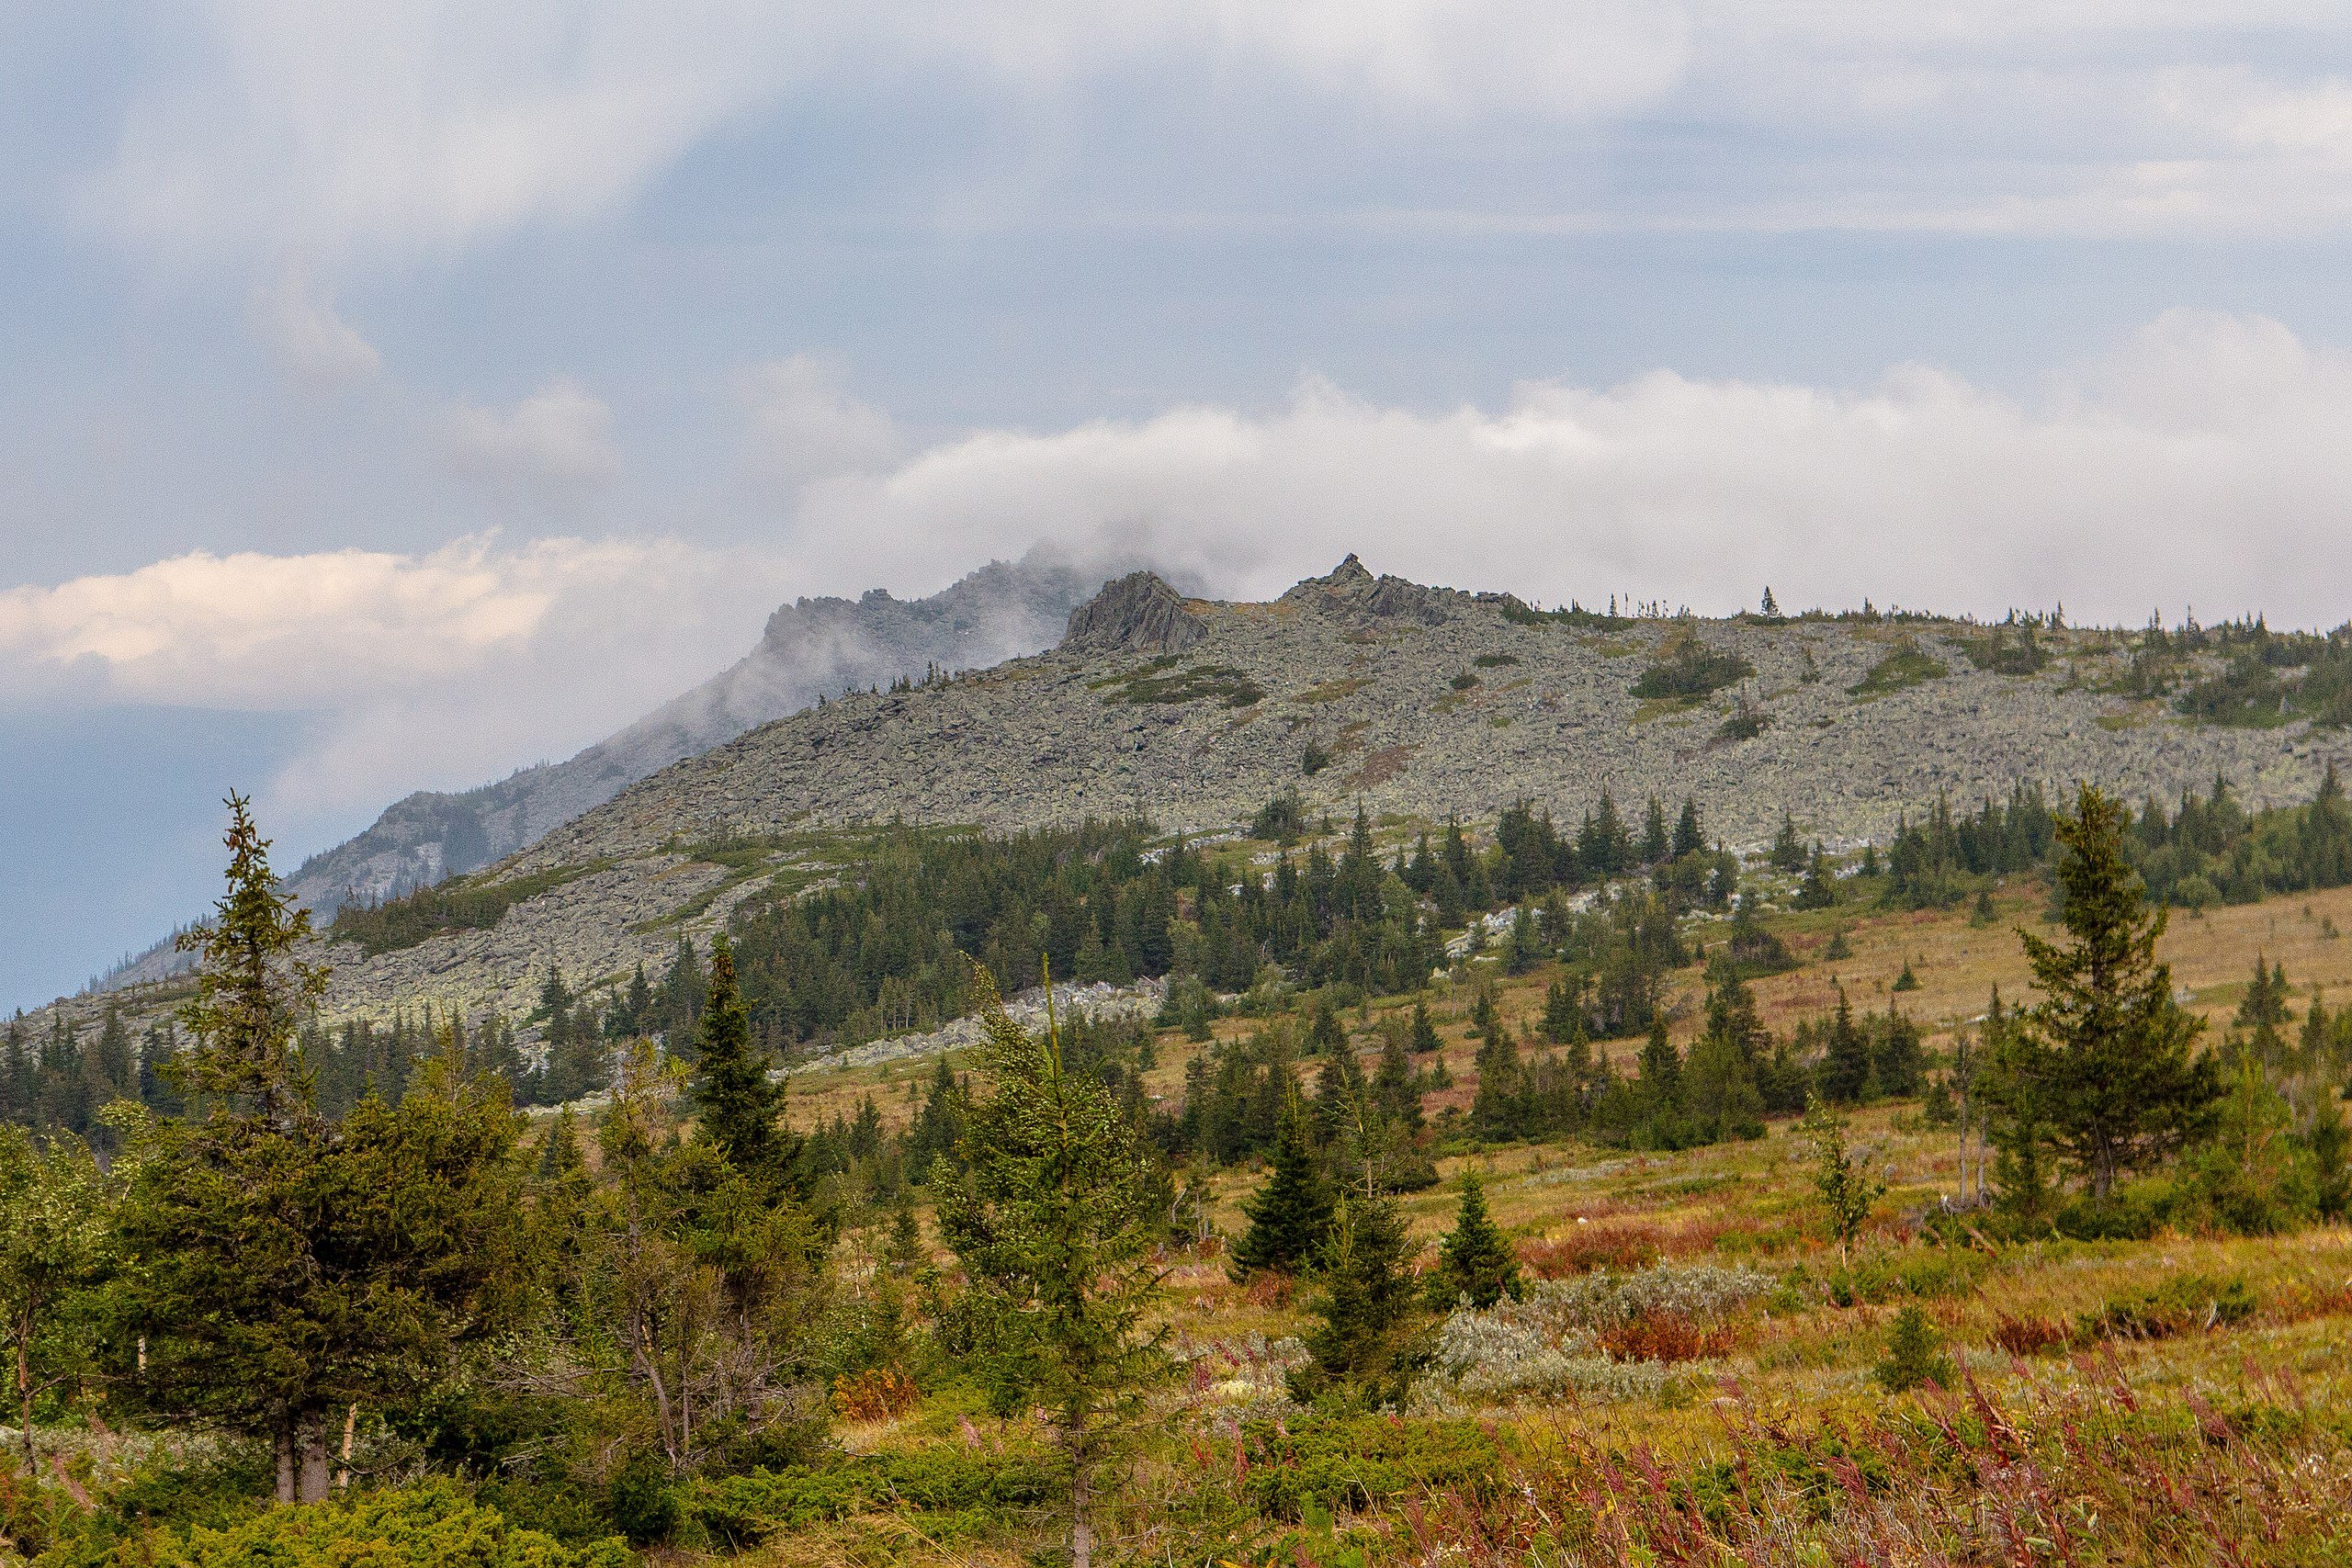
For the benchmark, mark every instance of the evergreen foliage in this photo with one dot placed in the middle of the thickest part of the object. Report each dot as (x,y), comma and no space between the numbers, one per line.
(1054,1220)
(1474,1261)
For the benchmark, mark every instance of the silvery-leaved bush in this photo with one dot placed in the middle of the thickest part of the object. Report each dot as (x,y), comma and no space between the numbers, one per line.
(1546,1346)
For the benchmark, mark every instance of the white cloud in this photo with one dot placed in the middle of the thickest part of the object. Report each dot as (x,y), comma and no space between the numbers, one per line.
(804,426)
(2200,464)
(298,325)
(559,436)
(420,126)
(430,671)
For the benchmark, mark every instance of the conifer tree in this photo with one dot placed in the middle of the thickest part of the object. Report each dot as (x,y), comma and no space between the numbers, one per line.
(1055,1220)
(1655,844)
(1788,851)
(2105,1054)
(739,1104)
(1688,839)
(1425,1036)
(1846,1057)
(1366,1306)
(1393,1089)
(1290,1216)
(283,1267)
(1475,1260)
(1661,1080)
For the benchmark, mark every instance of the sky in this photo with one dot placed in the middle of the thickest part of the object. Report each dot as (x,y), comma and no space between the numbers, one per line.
(399,395)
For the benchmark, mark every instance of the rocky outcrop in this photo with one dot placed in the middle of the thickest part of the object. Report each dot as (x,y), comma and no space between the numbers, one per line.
(1349,592)
(1136,613)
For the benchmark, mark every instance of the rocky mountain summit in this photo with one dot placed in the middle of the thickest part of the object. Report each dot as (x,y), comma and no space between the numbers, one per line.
(1420,702)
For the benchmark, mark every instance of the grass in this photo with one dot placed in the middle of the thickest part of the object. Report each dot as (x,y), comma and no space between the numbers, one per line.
(2099,1419)
(1908,665)
(1161,681)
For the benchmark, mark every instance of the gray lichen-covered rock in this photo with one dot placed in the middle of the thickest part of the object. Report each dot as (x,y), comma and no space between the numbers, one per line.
(1136,613)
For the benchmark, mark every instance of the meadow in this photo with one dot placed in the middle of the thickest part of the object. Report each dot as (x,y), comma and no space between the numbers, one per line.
(1697,1377)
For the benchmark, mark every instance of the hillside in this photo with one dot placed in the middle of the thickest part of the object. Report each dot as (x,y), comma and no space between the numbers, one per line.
(1426,701)
(811,648)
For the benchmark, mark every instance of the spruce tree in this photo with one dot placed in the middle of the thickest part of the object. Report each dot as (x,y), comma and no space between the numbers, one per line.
(1290,1216)
(1475,1260)
(1425,1036)
(284,1268)
(1661,1080)
(2105,1054)
(1055,1219)
(1689,838)
(1655,844)
(739,1104)
(1366,1307)
(1787,853)
(1846,1057)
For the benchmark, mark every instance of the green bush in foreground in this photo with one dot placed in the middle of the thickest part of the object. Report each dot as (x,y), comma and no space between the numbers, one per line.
(434,1525)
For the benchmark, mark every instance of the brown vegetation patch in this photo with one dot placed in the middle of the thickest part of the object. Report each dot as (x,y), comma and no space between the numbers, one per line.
(1381,766)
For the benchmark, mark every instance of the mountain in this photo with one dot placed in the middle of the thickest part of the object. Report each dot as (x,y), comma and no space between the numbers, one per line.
(1420,702)
(810,649)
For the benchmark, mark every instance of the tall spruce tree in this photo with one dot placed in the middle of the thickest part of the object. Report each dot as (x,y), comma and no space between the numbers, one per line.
(284,1268)
(1365,1308)
(2104,1056)
(1290,1216)
(1055,1219)
(738,1102)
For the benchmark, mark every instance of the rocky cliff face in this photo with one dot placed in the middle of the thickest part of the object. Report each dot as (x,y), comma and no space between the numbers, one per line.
(1420,702)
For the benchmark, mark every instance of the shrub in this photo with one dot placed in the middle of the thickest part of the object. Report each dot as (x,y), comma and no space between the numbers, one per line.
(433,1525)
(2185,1303)
(1353,1461)
(875,1394)
(1665,1336)
(1557,1342)
(1914,1354)
(1618,1249)
(2023,1336)
(740,1511)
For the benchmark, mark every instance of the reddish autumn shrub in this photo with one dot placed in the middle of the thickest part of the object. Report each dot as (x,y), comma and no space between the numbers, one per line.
(2030,1335)
(1619,1248)
(1665,1336)
(875,1394)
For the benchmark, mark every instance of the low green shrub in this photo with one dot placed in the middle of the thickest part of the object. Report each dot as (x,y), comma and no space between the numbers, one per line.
(743,1510)
(433,1525)
(2184,1304)
(1352,1462)
(1914,1354)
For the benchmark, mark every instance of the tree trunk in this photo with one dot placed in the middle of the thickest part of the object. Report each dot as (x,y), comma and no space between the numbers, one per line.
(282,1440)
(313,1479)
(350,1425)
(25,1389)
(1081,1533)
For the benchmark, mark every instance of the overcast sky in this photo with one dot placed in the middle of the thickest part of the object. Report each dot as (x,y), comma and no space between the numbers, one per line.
(399,394)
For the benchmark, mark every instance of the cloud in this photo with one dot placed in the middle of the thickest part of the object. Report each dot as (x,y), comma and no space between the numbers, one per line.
(803,426)
(2201,463)
(421,126)
(423,670)
(298,325)
(560,437)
